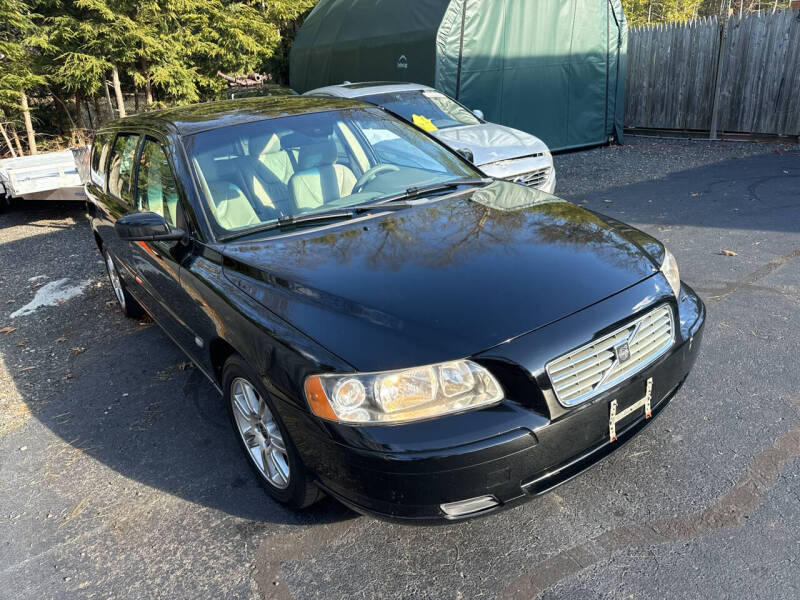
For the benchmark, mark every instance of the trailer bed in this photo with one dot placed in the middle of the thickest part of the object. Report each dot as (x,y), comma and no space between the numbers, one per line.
(51,176)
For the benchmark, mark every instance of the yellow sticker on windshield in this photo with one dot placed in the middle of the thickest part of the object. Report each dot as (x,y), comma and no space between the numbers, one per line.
(424,123)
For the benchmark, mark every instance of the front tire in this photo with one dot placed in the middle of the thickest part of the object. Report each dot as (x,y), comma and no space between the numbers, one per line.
(263,437)
(130,307)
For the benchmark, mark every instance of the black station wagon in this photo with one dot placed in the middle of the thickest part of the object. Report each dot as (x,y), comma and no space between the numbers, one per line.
(386,324)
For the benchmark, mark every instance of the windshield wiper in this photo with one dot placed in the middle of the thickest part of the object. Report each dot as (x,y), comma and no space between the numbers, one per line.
(331,215)
(291,220)
(414,192)
(395,205)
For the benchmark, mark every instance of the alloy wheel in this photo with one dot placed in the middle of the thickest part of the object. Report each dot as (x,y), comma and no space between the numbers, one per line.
(260,433)
(116,283)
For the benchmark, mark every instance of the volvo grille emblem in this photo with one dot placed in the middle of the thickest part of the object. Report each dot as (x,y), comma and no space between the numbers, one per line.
(623,351)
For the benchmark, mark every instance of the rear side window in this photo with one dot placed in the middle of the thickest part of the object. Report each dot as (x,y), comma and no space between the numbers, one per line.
(120,166)
(100,149)
(156,189)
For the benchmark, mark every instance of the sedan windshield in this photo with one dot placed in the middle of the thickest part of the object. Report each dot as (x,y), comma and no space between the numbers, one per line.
(427,109)
(276,170)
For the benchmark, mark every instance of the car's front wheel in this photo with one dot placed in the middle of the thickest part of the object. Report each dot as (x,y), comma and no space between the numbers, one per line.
(127,303)
(263,437)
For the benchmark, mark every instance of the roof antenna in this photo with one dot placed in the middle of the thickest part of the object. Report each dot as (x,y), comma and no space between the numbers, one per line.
(345,82)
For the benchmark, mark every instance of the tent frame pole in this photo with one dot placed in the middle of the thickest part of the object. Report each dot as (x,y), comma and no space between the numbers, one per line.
(461,48)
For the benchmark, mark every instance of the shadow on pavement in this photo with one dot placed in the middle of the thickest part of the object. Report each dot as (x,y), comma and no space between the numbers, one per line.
(130,399)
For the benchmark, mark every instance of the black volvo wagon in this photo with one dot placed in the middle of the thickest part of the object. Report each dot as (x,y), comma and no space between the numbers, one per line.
(386,324)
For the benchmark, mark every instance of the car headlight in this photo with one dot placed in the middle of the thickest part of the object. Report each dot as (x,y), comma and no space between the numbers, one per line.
(669,267)
(402,396)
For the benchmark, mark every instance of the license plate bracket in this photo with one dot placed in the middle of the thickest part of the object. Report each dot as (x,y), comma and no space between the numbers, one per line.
(615,417)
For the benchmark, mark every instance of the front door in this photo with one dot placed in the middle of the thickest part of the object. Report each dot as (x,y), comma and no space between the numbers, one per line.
(156,265)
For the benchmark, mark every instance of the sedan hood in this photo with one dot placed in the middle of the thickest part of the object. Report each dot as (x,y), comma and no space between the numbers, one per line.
(490,143)
(442,280)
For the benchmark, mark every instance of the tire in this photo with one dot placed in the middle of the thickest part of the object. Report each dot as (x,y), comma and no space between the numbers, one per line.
(271,453)
(130,307)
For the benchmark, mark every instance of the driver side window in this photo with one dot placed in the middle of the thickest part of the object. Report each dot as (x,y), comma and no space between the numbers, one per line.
(156,189)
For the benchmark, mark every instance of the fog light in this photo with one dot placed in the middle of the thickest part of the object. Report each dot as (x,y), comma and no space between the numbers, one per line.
(466,507)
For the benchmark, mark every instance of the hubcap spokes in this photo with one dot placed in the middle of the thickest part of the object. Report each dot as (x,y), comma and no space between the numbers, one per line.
(260,433)
(116,284)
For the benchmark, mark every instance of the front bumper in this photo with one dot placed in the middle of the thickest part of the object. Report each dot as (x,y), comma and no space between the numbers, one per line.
(519,449)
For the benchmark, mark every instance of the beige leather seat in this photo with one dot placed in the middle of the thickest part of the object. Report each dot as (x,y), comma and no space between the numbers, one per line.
(268,150)
(230,206)
(320,180)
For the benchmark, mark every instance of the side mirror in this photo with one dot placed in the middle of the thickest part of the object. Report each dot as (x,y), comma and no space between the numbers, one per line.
(466,153)
(147,227)
(478,113)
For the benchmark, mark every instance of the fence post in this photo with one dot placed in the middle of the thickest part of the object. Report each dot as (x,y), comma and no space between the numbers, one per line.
(718,76)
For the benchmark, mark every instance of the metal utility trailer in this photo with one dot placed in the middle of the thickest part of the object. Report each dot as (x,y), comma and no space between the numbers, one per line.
(51,176)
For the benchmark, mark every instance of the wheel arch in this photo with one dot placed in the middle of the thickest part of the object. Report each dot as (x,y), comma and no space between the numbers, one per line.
(219,351)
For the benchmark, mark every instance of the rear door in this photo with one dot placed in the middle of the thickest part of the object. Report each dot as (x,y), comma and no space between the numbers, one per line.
(96,185)
(115,200)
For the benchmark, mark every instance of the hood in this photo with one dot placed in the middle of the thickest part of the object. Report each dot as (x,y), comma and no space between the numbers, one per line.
(442,280)
(490,143)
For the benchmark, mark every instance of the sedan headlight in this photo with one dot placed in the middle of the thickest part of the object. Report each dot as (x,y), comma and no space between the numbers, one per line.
(402,396)
(670,270)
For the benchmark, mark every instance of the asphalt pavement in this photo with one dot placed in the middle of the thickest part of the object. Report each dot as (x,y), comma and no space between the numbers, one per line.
(120,476)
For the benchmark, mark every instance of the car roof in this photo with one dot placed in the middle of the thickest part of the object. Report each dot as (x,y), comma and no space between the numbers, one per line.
(194,118)
(367,88)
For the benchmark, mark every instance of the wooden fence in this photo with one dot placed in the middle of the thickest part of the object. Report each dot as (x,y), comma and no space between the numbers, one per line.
(749,68)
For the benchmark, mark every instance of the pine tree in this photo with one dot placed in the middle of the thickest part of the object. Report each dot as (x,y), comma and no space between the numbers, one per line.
(171,49)
(17,75)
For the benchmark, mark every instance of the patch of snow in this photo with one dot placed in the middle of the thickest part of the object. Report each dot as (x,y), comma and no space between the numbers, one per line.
(51,294)
(37,278)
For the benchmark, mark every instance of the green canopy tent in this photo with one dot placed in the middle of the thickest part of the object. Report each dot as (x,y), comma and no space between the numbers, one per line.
(553,68)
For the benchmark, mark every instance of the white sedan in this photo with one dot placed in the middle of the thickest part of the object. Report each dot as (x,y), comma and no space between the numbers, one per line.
(499,151)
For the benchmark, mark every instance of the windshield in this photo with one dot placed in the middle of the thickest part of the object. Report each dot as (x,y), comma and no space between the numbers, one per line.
(259,173)
(427,109)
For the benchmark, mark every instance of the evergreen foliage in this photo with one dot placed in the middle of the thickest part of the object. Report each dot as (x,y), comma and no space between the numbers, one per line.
(63,52)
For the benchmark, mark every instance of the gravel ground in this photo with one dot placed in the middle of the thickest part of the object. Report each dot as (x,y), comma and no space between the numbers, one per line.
(120,478)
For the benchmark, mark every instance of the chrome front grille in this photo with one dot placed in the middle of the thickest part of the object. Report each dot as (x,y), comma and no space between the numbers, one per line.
(534,179)
(594,367)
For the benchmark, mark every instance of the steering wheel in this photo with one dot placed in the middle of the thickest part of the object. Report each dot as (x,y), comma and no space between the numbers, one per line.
(372,174)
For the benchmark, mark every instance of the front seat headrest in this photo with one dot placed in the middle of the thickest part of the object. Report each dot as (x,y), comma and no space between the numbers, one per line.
(264,144)
(317,155)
